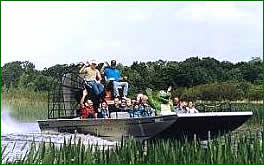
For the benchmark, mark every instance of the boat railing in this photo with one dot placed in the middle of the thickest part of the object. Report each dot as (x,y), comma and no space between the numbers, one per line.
(217,107)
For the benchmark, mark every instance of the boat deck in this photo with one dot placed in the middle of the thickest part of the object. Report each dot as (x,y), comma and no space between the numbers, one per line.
(199,124)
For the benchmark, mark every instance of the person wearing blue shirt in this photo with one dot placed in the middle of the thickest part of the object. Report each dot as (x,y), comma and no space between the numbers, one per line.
(112,73)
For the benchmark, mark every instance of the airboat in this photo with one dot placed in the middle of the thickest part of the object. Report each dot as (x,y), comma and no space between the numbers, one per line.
(63,116)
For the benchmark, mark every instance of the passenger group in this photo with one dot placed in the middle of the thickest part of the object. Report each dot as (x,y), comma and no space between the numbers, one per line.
(100,104)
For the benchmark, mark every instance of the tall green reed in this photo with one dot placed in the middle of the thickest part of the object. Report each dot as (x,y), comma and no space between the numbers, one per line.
(25,104)
(230,149)
(257,109)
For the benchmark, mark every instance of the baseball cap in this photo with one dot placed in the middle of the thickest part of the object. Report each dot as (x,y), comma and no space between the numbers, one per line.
(93,62)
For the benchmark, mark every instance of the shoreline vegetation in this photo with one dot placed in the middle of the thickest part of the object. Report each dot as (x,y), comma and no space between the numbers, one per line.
(195,78)
(27,95)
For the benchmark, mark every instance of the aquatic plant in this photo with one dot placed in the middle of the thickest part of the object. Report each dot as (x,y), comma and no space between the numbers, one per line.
(230,149)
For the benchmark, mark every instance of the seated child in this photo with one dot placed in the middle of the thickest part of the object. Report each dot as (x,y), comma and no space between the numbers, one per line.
(149,110)
(103,111)
(136,111)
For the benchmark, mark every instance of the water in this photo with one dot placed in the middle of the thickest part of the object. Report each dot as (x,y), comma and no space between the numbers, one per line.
(16,137)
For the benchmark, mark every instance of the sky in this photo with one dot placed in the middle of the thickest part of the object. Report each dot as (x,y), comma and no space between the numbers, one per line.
(50,33)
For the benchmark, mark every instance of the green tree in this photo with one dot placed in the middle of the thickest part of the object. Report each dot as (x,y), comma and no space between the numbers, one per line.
(10,73)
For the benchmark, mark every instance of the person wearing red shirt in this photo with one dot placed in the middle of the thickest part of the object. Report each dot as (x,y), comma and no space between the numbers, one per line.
(87,110)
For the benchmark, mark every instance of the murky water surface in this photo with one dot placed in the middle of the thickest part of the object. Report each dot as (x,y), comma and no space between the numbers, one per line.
(16,137)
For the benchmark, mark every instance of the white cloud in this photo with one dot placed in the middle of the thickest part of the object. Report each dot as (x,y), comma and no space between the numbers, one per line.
(215,12)
(115,44)
(100,44)
(48,33)
(137,15)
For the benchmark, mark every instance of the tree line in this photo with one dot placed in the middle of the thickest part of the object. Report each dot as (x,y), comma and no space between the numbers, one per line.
(194,78)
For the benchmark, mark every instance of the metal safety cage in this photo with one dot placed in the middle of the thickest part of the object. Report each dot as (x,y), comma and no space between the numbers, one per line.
(64,98)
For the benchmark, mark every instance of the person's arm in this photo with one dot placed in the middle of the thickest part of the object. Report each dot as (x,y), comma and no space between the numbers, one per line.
(82,70)
(107,113)
(187,110)
(119,75)
(105,74)
(98,75)
(124,78)
(195,110)
(169,89)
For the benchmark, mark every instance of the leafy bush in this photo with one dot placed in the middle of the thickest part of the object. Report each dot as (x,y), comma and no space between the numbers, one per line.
(255,92)
(224,91)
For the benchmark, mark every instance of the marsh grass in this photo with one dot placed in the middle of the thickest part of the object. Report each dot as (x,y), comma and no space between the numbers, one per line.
(25,104)
(28,112)
(257,119)
(227,150)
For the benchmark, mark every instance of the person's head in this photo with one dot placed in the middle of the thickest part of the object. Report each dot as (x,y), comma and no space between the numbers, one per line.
(190,104)
(89,103)
(104,104)
(139,98)
(148,107)
(80,64)
(113,63)
(123,103)
(116,101)
(184,104)
(128,102)
(176,101)
(181,103)
(134,102)
(93,64)
(144,99)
